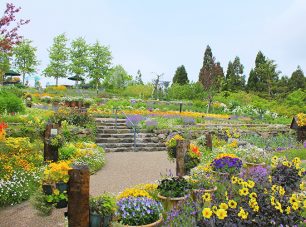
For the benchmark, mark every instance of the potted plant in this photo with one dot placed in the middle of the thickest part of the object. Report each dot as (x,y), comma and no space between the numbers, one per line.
(172,190)
(67,101)
(202,180)
(55,101)
(171,146)
(87,102)
(139,211)
(58,198)
(102,209)
(227,164)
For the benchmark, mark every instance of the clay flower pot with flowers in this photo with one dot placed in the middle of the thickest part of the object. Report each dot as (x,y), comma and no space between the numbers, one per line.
(172,190)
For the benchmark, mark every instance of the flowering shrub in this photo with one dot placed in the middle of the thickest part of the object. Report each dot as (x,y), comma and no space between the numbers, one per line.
(246,204)
(3,126)
(259,174)
(228,163)
(57,172)
(301,119)
(201,177)
(192,158)
(150,188)
(138,211)
(286,173)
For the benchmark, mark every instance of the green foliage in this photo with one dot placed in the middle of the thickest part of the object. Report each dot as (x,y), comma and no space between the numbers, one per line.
(25,58)
(138,91)
(10,103)
(117,78)
(235,80)
(290,154)
(104,205)
(58,54)
(79,57)
(173,187)
(39,202)
(186,92)
(99,63)
(180,76)
(297,80)
(4,63)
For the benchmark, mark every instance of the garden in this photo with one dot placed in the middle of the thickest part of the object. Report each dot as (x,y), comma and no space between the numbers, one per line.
(243,178)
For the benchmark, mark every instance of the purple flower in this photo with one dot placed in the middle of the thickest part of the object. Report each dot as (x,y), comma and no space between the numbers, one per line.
(259,174)
(188,121)
(133,120)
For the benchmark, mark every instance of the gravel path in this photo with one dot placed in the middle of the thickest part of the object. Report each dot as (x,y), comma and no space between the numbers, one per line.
(121,170)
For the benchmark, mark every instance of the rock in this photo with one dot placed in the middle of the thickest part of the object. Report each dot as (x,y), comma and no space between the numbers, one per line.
(161,136)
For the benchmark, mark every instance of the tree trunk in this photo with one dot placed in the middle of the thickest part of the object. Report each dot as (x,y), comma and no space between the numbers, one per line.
(56,81)
(97,87)
(23,76)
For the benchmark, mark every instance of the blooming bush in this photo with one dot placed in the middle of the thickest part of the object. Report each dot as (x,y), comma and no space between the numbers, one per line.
(138,211)
(286,173)
(301,119)
(57,172)
(227,163)
(192,158)
(201,177)
(173,187)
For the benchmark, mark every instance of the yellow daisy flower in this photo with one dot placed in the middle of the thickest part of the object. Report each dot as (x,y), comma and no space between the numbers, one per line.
(207,213)
(221,214)
(233,204)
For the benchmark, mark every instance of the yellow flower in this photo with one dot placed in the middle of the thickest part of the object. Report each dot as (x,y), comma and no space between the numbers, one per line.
(56,192)
(274,188)
(253,203)
(206,197)
(278,206)
(234,180)
(240,181)
(214,209)
(304,204)
(295,206)
(272,200)
(232,204)
(207,213)
(293,199)
(243,214)
(251,184)
(301,172)
(253,195)
(265,191)
(221,214)
(288,210)
(274,159)
(281,191)
(244,191)
(270,179)
(133,192)
(223,206)
(256,208)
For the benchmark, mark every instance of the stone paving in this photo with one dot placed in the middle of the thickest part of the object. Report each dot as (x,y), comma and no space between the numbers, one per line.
(122,169)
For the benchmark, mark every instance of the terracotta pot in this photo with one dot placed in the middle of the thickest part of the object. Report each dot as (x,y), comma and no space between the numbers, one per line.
(169,202)
(154,224)
(197,193)
(73,104)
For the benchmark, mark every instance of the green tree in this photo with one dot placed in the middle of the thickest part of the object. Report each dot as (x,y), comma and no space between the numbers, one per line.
(25,59)
(297,80)
(99,63)
(180,76)
(138,78)
(211,76)
(58,55)
(79,57)
(117,79)
(235,80)
(4,63)
(263,78)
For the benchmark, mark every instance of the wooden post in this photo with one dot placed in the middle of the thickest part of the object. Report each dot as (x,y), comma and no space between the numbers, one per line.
(181,150)
(208,141)
(78,197)
(50,152)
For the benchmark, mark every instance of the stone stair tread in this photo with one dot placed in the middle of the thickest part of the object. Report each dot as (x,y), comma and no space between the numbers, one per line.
(114,145)
(131,149)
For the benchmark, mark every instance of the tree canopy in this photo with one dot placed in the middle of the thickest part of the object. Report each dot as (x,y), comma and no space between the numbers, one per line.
(180,76)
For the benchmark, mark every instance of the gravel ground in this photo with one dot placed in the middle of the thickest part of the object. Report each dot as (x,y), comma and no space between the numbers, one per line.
(121,170)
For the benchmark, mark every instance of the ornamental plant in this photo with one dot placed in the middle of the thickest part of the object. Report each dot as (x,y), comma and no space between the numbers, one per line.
(171,146)
(226,163)
(192,158)
(3,126)
(104,205)
(286,173)
(133,192)
(137,211)
(201,177)
(245,203)
(174,187)
(301,119)
(57,172)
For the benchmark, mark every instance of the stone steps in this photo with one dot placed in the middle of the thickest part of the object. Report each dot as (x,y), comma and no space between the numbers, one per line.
(122,138)
(131,149)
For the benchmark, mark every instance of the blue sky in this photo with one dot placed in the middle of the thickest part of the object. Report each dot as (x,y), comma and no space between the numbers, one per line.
(158,36)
